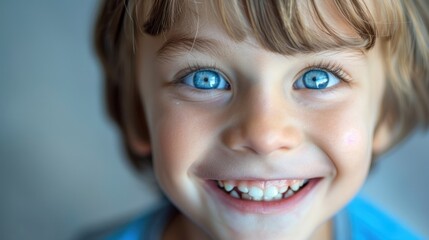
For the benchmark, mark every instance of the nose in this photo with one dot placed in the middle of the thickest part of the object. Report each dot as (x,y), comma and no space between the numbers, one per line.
(263,123)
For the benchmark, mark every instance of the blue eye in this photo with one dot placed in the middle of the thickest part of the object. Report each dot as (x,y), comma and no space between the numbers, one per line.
(316,79)
(206,80)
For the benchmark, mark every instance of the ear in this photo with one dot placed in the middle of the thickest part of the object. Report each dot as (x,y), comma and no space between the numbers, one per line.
(382,137)
(139,145)
(135,124)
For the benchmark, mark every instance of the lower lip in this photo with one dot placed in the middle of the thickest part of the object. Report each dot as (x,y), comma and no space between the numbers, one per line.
(263,207)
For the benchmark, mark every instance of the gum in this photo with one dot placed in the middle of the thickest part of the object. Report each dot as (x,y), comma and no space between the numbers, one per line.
(262,184)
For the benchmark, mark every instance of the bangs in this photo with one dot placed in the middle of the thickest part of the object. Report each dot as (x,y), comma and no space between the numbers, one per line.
(285,27)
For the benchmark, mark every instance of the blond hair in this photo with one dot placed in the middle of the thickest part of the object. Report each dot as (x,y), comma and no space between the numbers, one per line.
(282,26)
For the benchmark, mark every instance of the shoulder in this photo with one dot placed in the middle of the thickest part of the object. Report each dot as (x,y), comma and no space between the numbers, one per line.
(149,225)
(369,222)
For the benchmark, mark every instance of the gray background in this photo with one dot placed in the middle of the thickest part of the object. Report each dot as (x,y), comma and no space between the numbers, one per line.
(61,165)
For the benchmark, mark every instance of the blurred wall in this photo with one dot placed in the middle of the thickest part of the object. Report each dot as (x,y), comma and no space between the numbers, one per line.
(61,165)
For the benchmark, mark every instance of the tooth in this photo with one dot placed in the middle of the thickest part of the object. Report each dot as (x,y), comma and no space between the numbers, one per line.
(295,186)
(234,194)
(283,189)
(278,196)
(301,183)
(228,187)
(270,192)
(256,193)
(268,198)
(246,196)
(288,193)
(219,183)
(243,188)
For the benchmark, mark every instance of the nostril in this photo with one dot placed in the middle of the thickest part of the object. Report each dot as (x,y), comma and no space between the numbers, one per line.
(232,139)
(270,141)
(262,141)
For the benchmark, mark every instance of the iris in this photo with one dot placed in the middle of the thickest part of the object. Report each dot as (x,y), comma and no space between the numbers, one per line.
(206,80)
(316,79)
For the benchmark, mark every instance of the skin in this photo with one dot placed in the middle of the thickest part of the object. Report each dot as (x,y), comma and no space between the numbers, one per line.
(261,128)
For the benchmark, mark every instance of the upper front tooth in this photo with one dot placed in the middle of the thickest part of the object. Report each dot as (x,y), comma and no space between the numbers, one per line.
(228,187)
(256,193)
(243,188)
(278,196)
(295,186)
(283,189)
(220,183)
(270,192)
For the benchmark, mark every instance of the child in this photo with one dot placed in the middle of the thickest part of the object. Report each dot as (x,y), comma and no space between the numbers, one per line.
(261,119)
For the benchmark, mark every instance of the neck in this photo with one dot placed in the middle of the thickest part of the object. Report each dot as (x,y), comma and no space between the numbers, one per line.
(324,232)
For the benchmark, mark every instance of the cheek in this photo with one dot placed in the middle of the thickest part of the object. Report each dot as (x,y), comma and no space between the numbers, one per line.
(354,153)
(345,135)
(174,142)
(352,137)
(180,137)
(173,150)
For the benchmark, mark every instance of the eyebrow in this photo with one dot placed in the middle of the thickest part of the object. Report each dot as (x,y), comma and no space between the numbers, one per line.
(177,46)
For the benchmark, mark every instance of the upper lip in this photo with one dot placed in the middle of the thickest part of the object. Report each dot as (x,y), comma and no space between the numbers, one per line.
(224,164)
(305,163)
(232,170)
(263,179)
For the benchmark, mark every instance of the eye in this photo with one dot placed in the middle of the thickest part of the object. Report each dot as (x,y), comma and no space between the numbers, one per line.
(206,80)
(316,79)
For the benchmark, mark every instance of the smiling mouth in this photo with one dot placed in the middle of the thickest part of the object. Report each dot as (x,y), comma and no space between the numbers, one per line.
(268,191)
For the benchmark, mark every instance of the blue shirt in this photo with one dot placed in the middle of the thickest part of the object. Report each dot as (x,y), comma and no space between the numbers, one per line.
(359,220)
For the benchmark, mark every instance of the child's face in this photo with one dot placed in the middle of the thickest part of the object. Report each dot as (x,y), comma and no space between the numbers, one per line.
(234,112)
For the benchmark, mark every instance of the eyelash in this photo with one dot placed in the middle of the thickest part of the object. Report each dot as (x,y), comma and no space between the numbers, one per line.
(333,67)
(196,67)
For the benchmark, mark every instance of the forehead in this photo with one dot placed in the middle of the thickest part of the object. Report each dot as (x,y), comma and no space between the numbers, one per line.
(286,27)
